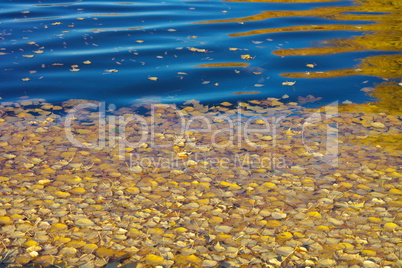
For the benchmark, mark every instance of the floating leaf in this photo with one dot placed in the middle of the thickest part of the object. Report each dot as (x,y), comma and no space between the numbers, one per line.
(87,62)
(28,56)
(197,49)
(288,83)
(153,78)
(310,65)
(246,57)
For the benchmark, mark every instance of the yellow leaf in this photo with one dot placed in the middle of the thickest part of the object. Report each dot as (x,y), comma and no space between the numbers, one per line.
(310,65)
(140,41)
(87,62)
(259,122)
(25,79)
(226,103)
(288,83)
(246,57)
(28,56)
(153,78)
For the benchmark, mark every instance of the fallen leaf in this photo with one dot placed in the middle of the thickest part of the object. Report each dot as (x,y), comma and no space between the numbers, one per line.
(288,83)
(246,57)
(153,78)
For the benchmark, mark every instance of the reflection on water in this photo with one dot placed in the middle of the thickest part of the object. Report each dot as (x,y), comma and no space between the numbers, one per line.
(382,33)
(206,50)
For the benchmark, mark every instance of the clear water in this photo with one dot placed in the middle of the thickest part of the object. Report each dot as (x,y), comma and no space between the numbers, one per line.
(128,43)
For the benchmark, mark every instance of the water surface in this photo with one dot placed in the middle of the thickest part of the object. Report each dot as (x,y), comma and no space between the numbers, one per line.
(206,50)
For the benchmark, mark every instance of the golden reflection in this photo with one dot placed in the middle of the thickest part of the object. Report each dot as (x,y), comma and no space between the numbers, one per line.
(389,101)
(378,20)
(224,64)
(389,96)
(300,28)
(385,66)
(246,93)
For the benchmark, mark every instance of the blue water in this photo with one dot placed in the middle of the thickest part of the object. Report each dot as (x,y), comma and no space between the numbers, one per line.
(127,43)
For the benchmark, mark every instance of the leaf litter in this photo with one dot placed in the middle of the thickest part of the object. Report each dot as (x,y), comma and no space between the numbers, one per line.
(67,206)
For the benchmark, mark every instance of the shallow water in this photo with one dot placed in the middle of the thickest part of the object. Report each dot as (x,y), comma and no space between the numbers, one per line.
(108,51)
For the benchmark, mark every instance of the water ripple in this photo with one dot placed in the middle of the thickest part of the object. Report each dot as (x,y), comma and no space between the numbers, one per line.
(67,50)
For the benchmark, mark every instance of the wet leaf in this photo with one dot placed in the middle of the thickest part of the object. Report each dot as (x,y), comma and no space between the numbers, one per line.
(288,83)
(246,57)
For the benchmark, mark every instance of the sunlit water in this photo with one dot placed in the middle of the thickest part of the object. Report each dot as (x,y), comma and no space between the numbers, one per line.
(159,51)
